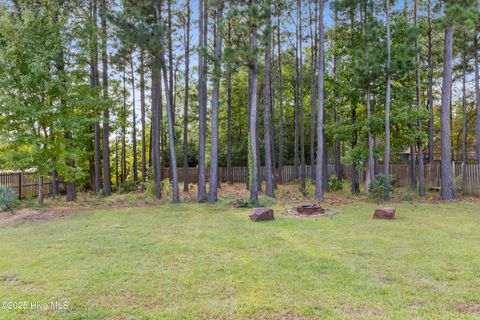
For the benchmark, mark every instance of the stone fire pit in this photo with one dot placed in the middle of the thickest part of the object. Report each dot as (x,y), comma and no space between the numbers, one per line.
(309,209)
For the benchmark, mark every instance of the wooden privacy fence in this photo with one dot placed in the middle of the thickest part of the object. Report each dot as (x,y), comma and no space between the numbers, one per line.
(26,183)
(400,172)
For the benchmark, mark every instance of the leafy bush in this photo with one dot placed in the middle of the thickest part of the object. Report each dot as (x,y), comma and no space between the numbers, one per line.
(129,186)
(8,198)
(246,203)
(166,187)
(303,191)
(335,183)
(408,196)
(379,187)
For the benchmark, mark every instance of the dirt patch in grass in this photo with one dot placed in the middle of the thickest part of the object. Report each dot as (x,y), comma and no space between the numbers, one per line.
(468,308)
(18,217)
(9,278)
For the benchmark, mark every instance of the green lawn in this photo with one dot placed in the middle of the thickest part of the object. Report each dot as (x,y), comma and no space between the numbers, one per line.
(210,262)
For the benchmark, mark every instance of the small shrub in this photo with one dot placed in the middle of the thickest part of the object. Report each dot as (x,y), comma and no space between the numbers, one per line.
(30,203)
(377,189)
(129,186)
(303,191)
(246,203)
(8,198)
(167,188)
(165,185)
(335,183)
(408,196)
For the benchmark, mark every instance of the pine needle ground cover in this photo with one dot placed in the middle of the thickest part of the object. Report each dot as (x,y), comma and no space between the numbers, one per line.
(210,262)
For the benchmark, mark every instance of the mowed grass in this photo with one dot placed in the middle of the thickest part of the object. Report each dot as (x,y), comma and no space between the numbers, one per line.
(200,261)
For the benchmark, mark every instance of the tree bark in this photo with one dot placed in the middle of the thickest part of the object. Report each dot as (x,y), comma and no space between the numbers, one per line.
(280,87)
(253,116)
(431,129)
(134,124)
(387,107)
(212,197)
(170,60)
(421,164)
(107,179)
(142,116)
(171,135)
(296,156)
(300,97)
(320,103)
(266,110)
(124,129)
(464,107)
(337,150)
(156,78)
(229,115)
(97,181)
(447,189)
(313,36)
(202,98)
(370,173)
(477,97)
(185,105)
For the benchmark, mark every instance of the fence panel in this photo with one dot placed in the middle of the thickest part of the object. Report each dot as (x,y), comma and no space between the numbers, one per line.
(466,179)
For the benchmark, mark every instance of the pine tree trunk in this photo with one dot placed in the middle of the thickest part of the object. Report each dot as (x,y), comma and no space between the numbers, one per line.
(253,117)
(280,87)
(107,179)
(142,116)
(464,105)
(229,121)
(421,164)
(117,174)
(272,109)
(431,129)
(296,157)
(477,97)
(170,59)
(156,78)
(266,112)
(370,173)
(337,151)
(185,105)
(124,130)
(156,115)
(320,111)
(447,189)
(171,136)
(313,56)
(202,98)
(387,108)
(212,197)
(134,124)
(95,82)
(301,113)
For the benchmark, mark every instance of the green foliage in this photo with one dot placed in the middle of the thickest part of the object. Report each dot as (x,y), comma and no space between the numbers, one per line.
(335,183)
(247,203)
(129,186)
(408,196)
(8,198)
(378,188)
